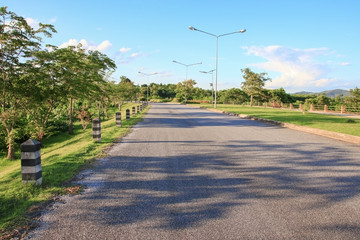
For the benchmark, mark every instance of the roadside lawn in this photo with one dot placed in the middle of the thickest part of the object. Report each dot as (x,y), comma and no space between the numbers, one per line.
(62,157)
(340,124)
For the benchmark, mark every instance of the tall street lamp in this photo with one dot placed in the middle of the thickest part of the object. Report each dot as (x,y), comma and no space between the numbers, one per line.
(211,84)
(147,91)
(217,38)
(187,65)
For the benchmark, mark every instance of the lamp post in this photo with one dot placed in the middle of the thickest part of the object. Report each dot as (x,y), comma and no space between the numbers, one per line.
(211,84)
(186,65)
(217,39)
(147,91)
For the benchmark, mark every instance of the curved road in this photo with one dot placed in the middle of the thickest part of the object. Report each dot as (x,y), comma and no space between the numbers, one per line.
(186,173)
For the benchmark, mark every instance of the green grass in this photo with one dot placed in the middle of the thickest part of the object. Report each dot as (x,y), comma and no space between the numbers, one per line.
(63,156)
(333,123)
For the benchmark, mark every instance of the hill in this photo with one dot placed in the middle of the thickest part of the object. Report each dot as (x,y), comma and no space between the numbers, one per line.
(329,93)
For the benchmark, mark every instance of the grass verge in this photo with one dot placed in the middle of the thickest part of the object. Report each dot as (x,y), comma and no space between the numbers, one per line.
(332,123)
(63,156)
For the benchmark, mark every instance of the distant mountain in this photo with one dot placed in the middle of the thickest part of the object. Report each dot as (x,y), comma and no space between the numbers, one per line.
(336,92)
(330,93)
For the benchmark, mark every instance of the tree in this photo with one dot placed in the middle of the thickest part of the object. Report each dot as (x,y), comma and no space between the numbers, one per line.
(99,67)
(254,83)
(124,91)
(354,98)
(279,95)
(17,41)
(185,89)
(39,90)
(233,95)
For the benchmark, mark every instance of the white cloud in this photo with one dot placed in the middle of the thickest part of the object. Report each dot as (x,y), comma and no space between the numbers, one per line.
(35,23)
(134,55)
(105,45)
(298,67)
(344,64)
(125,49)
(124,58)
(71,42)
(32,22)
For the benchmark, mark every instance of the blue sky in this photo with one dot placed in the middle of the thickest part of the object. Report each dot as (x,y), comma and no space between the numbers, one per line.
(307,45)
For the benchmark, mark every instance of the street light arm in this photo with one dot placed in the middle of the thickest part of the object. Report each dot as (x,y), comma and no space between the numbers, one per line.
(195,29)
(211,71)
(217,36)
(186,65)
(194,64)
(148,74)
(241,31)
(179,63)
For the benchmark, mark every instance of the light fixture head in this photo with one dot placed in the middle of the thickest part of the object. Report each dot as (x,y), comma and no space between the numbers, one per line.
(192,28)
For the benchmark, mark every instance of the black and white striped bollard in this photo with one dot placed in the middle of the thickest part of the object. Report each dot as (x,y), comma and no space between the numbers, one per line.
(96,125)
(127,114)
(118,119)
(31,162)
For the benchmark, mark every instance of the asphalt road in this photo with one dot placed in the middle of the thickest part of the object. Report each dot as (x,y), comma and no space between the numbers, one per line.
(186,173)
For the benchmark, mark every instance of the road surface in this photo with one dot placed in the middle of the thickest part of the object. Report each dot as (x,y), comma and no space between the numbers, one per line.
(186,173)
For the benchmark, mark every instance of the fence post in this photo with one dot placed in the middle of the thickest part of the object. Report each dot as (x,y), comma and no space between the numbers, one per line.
(31,162)
(312,107)
(133,111)
(118,119)
(137,109)
(96,126)
(282,105)
(127,114)
(141,107)
(326,109)
(343,109)
(291,106)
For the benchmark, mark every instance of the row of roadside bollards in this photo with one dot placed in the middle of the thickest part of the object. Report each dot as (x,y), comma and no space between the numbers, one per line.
(97,122)
(31,170)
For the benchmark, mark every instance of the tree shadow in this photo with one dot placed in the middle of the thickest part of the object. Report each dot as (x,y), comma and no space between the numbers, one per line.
(187,190)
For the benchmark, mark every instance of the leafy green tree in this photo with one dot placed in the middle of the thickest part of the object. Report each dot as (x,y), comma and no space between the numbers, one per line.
(17,41)
(253,84)
(39,90)
(233,95)
(354,98)
(202,94)
(323,100)
(98,67)
(185,89)
(124,91)
(279,96)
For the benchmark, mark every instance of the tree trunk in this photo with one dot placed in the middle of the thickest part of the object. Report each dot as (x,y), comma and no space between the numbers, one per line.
(251,100)
(11,152)
(71,128)
(10,144)
(99,106)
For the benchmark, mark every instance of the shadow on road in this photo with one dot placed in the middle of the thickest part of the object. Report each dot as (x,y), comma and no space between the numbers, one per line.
(183,191)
